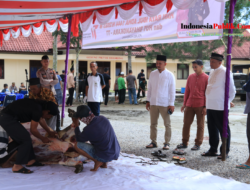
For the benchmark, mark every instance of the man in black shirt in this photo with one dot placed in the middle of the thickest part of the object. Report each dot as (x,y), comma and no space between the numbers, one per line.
(140,76)
(105,90)
(22,111)
(63,78)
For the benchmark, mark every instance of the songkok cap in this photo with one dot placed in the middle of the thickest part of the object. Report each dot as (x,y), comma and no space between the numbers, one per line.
(217,56)
(161,58)
(198,62)
(142,70)
(82,111)
(122,73)
(52,107)
(63,71)
(34,81)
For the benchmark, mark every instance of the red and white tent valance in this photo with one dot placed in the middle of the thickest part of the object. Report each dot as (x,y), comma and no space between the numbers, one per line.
(125,11)
(37,28)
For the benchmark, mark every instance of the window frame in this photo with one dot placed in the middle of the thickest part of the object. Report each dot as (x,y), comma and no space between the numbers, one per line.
(182,70)
(2,62)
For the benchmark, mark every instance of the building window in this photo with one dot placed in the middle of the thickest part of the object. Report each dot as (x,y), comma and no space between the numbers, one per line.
(1,69)
(83,66)
(182,71)
(150,67)
(118,68)
(34,66)
(102,66)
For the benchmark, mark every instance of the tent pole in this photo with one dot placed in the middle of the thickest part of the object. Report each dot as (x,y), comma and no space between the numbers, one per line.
(66,67)
(225,116)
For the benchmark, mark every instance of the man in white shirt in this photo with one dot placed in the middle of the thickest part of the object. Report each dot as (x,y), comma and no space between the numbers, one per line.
(160,100)
(94,85)
(215,97)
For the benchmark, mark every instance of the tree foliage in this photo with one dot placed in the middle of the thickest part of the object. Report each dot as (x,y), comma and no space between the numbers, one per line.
(74,42)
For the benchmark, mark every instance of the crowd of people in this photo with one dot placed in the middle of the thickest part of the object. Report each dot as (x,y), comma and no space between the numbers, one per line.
(42,108)
(13,89)
(204,95)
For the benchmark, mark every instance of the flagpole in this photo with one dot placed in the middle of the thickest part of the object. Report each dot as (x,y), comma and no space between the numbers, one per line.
(66,67)
(225,116)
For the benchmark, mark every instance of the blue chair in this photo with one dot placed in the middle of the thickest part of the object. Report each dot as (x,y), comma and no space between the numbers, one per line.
(8,100)
(24,92)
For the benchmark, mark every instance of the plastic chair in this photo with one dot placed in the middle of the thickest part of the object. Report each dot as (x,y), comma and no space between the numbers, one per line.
(24,92)
(8,100)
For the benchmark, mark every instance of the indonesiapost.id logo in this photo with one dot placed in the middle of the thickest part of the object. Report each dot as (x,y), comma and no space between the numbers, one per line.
(214,26)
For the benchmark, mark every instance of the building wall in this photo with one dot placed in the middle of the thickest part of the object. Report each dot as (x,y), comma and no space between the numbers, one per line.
(15,65)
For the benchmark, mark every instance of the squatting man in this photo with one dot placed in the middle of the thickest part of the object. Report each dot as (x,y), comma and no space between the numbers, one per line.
(104,145)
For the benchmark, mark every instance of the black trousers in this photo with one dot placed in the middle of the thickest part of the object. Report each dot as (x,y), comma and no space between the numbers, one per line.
(94,107)
(58,121)
(248,130)
(70,98)
(12,147)
(215,127)
(105,92)
(139,92)
(122,93)
(21,136)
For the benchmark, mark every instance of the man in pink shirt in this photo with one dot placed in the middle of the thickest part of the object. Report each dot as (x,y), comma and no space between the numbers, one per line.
(194,104)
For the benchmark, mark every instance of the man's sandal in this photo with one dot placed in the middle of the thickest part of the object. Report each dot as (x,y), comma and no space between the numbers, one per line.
(182,161)
(151,145)
(182,146)
(159,154)
(220,157)
(195,147)
(181,152)
(36,163)
(166,146)
(23,171)
(176,158)
(209,154)
(243,166)
(176,151)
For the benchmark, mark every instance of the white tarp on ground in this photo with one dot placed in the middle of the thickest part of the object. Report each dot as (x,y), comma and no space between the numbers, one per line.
(121,174)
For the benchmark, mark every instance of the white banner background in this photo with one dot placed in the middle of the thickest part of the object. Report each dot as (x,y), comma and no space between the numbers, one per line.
(163,28)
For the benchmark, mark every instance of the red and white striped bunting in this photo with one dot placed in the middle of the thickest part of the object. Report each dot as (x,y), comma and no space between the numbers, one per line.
(19,17)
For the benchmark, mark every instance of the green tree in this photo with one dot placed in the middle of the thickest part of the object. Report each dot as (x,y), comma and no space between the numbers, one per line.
(55,34)
(76,43)
(202,49)
(129,50)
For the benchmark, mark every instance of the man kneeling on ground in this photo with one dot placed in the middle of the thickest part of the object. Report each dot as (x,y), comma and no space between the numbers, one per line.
(104,146)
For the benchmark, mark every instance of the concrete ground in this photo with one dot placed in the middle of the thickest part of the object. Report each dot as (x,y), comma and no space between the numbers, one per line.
(132,126)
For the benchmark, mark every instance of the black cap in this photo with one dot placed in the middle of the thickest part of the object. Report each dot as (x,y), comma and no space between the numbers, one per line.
(52,107)
(142,70)
(130,71)
(161,58)
(63,71)
(45,57)
(34,81)
(198,62)
(82,111)
(217,56)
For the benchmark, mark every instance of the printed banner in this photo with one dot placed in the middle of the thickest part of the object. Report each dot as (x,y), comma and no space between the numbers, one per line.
(193,24)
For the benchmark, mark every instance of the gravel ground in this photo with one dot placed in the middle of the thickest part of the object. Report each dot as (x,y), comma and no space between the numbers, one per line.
(131,124)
